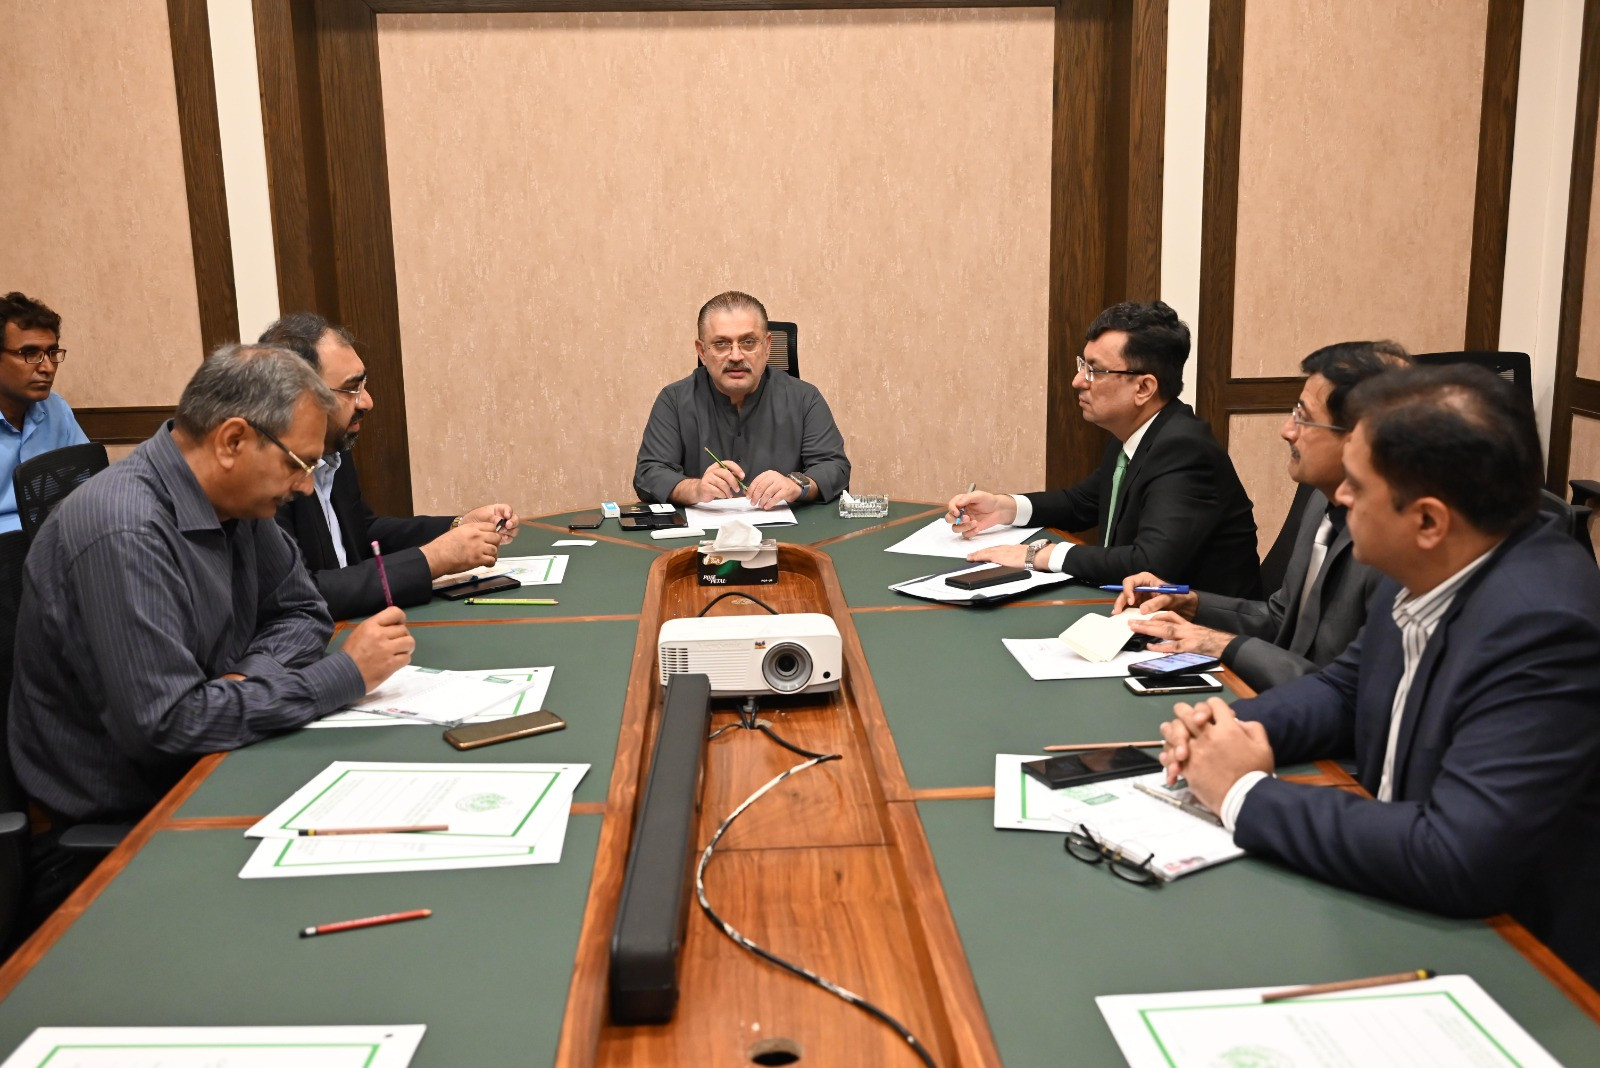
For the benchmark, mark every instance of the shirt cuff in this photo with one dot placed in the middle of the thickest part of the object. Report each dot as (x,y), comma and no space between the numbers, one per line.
(1056,556)
(1024,510)
(1232,803)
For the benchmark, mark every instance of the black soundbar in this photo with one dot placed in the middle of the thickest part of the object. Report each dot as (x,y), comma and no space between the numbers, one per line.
(654,909)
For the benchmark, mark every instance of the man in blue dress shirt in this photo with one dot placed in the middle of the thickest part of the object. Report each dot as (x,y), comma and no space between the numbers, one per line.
(37,420)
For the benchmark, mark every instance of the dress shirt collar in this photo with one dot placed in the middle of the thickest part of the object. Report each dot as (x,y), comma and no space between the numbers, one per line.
(1425,610)
(322,474)
(1131,446)
(32,417)
(191,508)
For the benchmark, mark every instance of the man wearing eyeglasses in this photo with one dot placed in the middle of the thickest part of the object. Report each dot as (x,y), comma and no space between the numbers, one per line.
(1323,602)
(1165,497)
(37,420)
(165,615)
(333,525)
(1468,701)
(774,434)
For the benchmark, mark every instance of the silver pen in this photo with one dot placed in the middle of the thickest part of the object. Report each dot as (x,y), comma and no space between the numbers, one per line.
(1193,808)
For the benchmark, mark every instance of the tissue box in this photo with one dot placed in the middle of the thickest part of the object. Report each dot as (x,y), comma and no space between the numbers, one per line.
(738,567)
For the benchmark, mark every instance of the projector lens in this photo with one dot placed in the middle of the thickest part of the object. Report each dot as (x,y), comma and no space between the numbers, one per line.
(786,667)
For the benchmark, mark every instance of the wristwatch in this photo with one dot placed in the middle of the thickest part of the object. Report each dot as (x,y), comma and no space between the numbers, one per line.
(1033,550)
(800,480)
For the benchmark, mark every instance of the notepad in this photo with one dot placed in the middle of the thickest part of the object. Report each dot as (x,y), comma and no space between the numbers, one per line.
(1099,638)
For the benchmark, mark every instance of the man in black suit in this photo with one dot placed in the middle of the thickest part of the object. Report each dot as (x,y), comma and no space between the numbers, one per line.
(1323,602)
(1468,701)
(1166,497)
(334,527)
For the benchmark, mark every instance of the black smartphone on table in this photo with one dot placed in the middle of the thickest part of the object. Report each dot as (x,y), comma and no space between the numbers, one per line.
(1176,664)
(989,576)
(473,587)
(586,521)
(1075,769)
(1169,684)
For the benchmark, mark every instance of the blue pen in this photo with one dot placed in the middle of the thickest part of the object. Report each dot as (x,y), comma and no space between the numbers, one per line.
(1149,589)
(961,514)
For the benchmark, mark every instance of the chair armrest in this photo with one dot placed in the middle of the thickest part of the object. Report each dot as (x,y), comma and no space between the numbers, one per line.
(94,837)
(13,823)
(1585,490)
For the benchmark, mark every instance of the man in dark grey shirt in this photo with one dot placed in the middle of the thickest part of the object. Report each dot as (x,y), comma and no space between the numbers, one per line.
(164,612)
(774,433)
(1322,605)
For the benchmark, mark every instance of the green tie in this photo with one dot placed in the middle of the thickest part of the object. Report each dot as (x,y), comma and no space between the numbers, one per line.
(1116,485)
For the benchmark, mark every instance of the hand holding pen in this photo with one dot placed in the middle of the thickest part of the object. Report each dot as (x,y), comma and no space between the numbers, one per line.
(721,479)
(975,511)
(1149,594)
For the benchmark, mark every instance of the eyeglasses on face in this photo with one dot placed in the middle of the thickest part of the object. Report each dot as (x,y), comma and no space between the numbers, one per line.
(1082,844)
(307,468)
(35,354)
(1091,373)
(749,345)
(1300,420)
(356,390)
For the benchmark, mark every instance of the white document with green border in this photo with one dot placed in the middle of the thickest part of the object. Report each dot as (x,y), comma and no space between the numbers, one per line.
(530,684)
(1448,1020)
(367,1046)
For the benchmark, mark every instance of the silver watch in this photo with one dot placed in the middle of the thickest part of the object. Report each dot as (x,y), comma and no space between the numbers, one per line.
(1033,550)
(800,480)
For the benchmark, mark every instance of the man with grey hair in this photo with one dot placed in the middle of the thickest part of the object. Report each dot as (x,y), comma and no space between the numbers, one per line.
(774,434)
(165,614)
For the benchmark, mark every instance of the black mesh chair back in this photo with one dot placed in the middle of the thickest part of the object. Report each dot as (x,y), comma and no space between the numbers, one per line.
(1514,367)
(44,481)
(784,353)
(13,549)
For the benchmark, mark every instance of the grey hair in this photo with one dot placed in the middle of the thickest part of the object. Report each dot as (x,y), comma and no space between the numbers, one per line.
(731,301)
(261,384)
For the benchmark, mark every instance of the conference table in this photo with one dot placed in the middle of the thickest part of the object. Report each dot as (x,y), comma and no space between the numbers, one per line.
(882,871)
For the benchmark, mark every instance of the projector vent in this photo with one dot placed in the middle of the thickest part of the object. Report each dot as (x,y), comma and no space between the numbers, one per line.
(674,661)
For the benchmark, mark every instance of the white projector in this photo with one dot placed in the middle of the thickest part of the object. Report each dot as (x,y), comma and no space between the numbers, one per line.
(796,652)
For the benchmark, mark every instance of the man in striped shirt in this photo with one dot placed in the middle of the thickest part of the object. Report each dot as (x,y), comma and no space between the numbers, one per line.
(1469,701)
(166,615)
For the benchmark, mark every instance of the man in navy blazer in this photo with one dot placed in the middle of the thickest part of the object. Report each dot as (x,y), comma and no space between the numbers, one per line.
(1322,603)
(1165,498)
(1469,701)
(333,525)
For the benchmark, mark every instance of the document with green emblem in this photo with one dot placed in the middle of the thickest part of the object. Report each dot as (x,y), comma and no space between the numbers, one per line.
(370,1046)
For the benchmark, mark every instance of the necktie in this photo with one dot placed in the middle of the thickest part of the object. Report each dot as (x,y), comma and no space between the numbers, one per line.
(1304,619)
(1116,487)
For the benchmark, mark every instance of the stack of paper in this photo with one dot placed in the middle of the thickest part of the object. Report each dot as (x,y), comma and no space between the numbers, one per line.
(369,1046)
(1047,659)
(935,588)
(528,570)
(712,514)
(446,698)
(1116,812)
(515,691)
(497,815)
(939,538)
(1449,1020)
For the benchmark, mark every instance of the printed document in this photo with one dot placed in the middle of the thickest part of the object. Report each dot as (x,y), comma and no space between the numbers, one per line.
(712,514)
(444,698)
(1448,1020)
(1117,812)
(530,699)
(367,1046)
(934,587)
(939,538)
(1046,659)
(528,570)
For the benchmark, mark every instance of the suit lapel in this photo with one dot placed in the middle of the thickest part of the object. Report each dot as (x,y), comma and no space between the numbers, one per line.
(1135,462)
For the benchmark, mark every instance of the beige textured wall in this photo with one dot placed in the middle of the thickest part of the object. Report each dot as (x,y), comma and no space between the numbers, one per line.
(1358,161)
(1261,457)
(568,190)
(1589,323)
(94,211)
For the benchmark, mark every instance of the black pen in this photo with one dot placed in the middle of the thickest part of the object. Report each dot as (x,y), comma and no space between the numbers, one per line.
(961,513)
(500,525)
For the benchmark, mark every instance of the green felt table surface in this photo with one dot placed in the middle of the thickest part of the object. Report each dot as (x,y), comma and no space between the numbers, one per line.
(813,523)
(178,939)
(954,696)
(1045,934)
(587,690)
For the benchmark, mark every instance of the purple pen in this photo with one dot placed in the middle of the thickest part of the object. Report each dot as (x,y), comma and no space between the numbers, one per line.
(383,576)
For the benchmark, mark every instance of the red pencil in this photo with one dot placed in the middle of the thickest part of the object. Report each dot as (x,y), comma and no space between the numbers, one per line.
(369,921)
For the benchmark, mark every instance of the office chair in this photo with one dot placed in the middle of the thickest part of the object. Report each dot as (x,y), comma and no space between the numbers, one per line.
(13,814)
(44,481)
(1276,562)
(784,352)
(1514,367)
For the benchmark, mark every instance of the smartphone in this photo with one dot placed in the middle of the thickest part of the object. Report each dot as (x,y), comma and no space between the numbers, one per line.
(585,521)
(651,520)
(1176,664)
(503,730)
(989,576)
(1074,769)
(474,587)
(1163,684)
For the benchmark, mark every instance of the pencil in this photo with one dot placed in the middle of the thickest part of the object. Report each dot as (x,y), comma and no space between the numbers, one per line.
(511,600)
(1101,745)
(369,921)
(728,469)
(319,832)
(1348,984)
(383,576)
